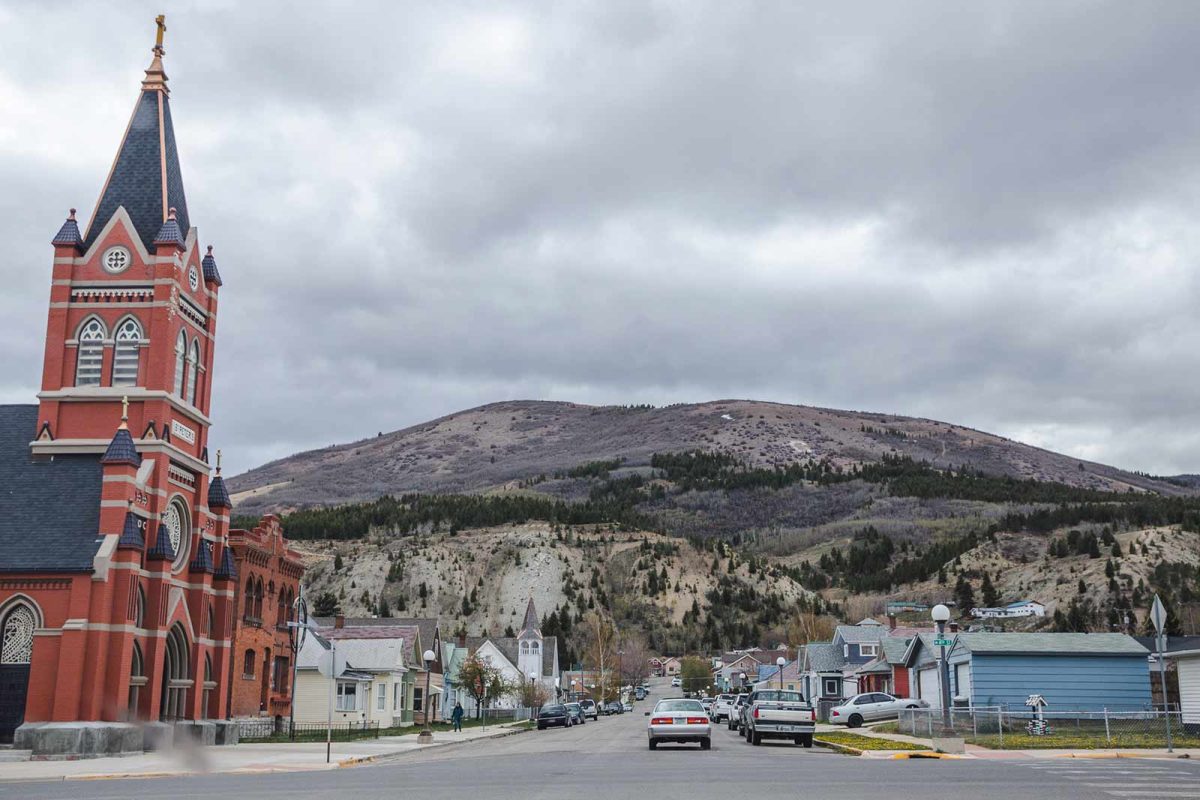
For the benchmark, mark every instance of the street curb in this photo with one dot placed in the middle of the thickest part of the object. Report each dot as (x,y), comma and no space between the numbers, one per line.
(841,748)
(359,760)
(1122,755)
(926,754)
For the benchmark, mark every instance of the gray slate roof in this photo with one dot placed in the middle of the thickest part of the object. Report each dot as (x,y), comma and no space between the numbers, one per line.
(136,181)
(894,648)
(509,646)
(49,509)
(824,657)
(856,634)
(1086,644)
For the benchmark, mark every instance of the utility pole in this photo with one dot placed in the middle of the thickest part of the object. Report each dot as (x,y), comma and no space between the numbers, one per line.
(1158,615)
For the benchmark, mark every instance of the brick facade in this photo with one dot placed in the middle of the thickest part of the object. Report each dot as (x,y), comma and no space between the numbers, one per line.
(269,574)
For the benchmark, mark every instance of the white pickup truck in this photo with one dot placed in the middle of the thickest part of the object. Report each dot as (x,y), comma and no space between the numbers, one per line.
(773,714)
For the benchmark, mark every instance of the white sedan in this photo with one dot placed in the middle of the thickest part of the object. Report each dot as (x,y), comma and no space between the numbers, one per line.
(870,707)
(679,721)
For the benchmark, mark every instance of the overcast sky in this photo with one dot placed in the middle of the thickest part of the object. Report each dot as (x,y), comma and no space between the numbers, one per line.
(983,213)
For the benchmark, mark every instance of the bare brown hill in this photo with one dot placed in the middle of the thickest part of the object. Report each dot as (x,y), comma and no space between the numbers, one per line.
(504,443)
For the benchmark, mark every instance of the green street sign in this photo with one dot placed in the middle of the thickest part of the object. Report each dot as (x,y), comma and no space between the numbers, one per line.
(942,642)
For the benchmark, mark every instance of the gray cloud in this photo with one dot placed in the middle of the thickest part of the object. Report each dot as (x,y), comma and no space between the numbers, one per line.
(975,213)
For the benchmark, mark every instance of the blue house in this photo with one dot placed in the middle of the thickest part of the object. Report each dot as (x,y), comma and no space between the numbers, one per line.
(1072,671)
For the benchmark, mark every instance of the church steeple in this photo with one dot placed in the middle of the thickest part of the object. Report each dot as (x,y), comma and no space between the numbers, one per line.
(145,177)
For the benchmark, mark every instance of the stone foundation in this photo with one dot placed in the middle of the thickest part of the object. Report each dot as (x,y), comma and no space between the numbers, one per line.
(72,740)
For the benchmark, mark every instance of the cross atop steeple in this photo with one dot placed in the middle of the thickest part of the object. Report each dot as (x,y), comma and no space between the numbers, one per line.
(161,22)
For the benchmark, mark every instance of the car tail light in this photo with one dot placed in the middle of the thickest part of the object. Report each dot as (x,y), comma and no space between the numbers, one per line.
(835,713)
(661,721)
(697,720)
(756,712)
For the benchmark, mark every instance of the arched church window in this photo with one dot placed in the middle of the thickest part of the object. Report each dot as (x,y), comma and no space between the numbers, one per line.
(175,518)
(180,353)
(139,611)
(17,647)
(524,647)
(89,358)
(207,689)
(137,679)
(193,364)
(125,354)
(533,647)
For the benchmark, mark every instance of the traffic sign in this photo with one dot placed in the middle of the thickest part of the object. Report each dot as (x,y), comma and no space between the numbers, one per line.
(1158,615)
(942,642)
(331,661)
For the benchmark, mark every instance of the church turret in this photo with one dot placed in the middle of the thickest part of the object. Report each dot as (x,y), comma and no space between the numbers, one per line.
(529,642)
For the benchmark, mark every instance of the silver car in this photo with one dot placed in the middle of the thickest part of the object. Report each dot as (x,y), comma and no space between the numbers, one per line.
(679,720)
(870,707)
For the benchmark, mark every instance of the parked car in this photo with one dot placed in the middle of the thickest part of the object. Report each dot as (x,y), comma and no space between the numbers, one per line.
(772,714)
(721,708)
(590,709)
(740,704)
(639,693)
(870,707)
(612,707)
(676,682)
(626,705)
(678,721)
(553,716)
(576,712)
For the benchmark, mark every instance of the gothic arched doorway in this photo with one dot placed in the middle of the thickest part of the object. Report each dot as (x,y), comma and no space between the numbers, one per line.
(175,680)
(16,651)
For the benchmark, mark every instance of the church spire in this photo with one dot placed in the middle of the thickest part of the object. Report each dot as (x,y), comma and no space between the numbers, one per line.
(145,178)
(530,626)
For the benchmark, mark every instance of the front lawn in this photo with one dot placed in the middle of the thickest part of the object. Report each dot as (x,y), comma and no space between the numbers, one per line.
(1083,740)
(861,742)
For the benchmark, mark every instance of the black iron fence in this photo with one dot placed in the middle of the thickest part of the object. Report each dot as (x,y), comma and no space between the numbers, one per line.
(274,730)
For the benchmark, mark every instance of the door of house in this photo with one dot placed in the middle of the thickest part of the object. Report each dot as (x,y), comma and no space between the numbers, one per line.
(927,682)
(14,684)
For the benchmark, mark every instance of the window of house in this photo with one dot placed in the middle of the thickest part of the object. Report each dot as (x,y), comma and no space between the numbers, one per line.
(381,697)
(831,687)
(89,353)
(397,698)
(193,364)
(180,356)
(417,698)
(248,664)
(348,697)
(868,649)
(845,651)
(125,353)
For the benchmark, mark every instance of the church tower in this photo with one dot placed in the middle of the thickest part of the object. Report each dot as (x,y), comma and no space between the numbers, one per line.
(137,533)
(530,644)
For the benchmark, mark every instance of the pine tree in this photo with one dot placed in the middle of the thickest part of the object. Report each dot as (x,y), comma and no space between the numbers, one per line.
(1116,549)
(338,563)
(383,609)
(1109,569)
(964,595)
(990,598)
(1093,547)
(1082,587)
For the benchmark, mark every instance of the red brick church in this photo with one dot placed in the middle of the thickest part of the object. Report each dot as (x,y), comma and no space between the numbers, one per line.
(117,582)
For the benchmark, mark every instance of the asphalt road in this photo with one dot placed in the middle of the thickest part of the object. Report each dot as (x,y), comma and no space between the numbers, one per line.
(609,759)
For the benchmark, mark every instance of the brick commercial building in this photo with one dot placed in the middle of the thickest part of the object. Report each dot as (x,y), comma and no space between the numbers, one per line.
(261,658)
(116,578)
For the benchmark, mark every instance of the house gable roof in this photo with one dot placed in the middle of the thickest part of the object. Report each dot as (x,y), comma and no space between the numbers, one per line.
(824,657)
(858,634)
(1071,644)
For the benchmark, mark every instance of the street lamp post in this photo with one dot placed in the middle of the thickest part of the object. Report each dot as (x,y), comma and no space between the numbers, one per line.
(779,662)
(941,615)
(743,686)
(426,733)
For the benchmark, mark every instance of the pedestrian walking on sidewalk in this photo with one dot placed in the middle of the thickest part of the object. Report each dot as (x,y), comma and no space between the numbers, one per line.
(456,716)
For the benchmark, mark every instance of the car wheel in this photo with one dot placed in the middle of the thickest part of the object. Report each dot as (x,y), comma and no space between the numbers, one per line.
(705,743)
(653,744)
(755,738)
(914,705)
(855,721)
(806,740)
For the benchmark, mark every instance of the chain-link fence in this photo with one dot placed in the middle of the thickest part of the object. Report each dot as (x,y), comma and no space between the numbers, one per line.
(1024,729)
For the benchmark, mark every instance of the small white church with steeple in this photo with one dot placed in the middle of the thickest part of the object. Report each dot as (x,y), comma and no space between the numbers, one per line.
(527,657)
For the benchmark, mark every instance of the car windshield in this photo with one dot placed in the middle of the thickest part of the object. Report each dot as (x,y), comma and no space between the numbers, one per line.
(786,697)
(678,705)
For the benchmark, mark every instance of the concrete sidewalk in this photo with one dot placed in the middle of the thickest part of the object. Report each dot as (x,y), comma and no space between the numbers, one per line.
(975,751)
(243,758)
